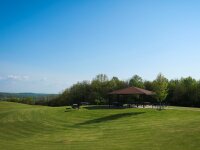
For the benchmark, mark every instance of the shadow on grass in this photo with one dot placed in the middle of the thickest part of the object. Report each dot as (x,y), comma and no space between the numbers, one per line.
(110,118)
(102,107)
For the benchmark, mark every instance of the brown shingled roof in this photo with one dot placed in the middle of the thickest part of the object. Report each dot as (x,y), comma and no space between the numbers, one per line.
(132,90)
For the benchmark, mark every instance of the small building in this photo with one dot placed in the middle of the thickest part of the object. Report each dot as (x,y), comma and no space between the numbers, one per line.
(130,91)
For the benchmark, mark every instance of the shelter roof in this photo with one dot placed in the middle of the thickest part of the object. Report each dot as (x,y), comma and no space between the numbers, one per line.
(132,90)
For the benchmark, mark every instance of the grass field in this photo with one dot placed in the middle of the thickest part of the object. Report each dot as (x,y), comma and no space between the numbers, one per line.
(37,128)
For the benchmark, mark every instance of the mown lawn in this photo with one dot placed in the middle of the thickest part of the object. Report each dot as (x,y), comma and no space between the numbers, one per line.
(37,128)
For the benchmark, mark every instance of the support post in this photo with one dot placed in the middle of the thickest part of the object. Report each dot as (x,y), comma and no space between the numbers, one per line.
(109,101)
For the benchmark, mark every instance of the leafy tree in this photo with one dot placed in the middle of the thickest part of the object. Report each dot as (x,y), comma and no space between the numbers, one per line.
(115,84)
(160,85)
(101,78)
(136,81)
(100,87)
(186,92)
(148,85)
(79,92)
(182,92)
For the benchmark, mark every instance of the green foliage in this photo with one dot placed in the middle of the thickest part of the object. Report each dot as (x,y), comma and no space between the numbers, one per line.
(184,92)
(136,81)
(160,86)
(181,92)
(101,78)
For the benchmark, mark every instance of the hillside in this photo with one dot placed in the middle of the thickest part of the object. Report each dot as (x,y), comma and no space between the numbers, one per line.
(23,95)
(40,127)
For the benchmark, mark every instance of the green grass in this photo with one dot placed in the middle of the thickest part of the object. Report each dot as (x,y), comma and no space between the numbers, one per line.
(45,128)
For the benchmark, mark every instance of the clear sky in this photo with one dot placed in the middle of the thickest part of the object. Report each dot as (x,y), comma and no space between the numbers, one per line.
(47,45)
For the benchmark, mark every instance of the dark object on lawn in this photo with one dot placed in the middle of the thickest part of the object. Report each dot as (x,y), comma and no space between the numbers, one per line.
(146,104)
(68,109)
(85,103)
(157,105)
(117,104)
(75,106)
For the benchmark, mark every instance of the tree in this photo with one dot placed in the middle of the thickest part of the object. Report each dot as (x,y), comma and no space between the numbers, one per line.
(100,88)
(186,92)
(180,92)
(160,86)
(148,85)
(79,92)
(136,81)
(101,78)
(115,84)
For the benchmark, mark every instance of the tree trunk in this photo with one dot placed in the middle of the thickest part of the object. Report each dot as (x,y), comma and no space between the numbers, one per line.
(160,106)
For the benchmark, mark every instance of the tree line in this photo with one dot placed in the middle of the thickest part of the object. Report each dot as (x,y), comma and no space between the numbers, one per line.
(178,92)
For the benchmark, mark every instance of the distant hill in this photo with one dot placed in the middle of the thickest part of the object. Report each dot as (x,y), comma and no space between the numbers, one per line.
(23,95)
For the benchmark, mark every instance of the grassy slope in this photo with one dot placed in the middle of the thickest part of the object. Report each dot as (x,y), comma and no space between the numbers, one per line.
(38,127)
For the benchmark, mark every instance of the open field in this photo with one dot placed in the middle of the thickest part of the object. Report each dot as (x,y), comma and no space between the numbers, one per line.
(38,127)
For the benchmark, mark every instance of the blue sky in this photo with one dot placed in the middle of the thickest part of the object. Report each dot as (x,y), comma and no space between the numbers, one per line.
(46,46)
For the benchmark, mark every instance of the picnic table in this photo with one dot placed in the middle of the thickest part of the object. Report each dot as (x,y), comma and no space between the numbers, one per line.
(75,106)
